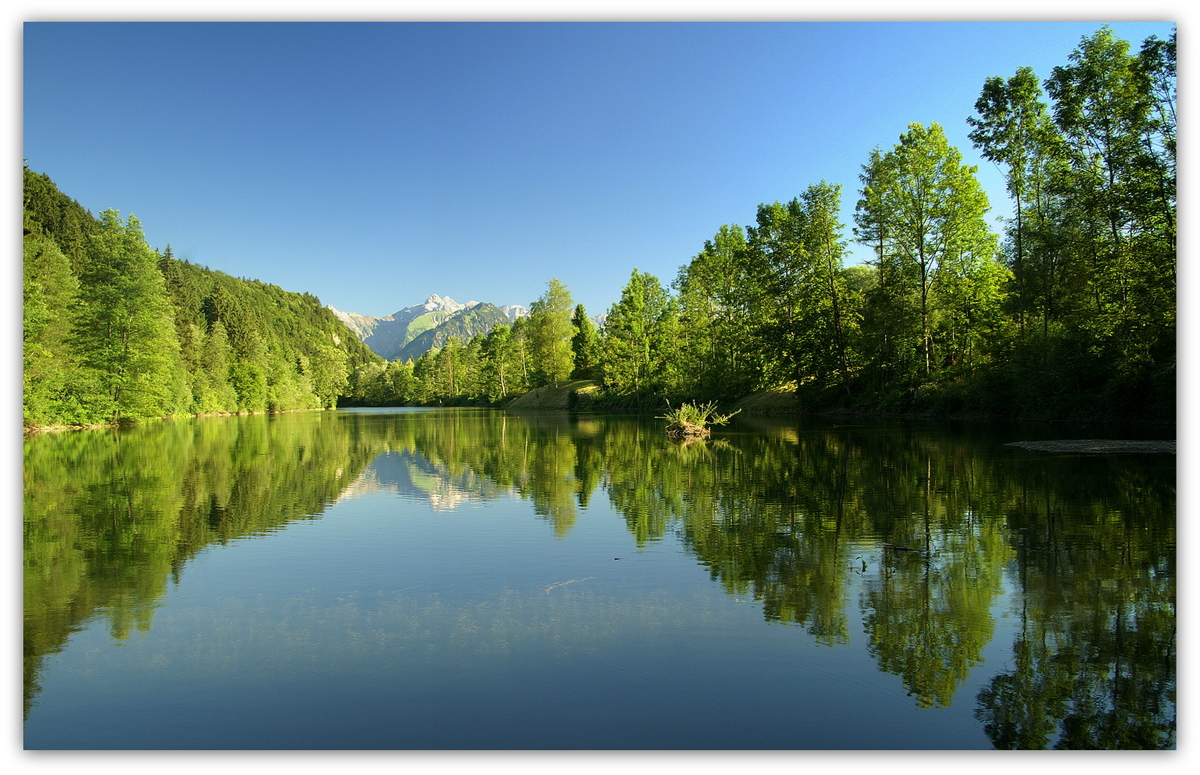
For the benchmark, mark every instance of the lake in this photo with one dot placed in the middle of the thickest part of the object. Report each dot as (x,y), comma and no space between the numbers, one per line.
(475,579)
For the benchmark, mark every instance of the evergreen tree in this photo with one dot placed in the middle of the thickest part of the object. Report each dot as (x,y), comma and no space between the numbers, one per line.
(49,290)
(585,344)
(219,395)
(124,333)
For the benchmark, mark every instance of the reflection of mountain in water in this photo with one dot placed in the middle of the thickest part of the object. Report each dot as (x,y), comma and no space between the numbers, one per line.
(410,475)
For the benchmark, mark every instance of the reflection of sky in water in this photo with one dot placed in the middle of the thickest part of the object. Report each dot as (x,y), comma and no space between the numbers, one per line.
(650,614)
(378,626)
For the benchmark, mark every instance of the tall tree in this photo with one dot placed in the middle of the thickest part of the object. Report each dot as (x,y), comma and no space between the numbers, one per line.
(124,332)
(715,319)
(639,337)
(49,290)
(1014,129)
(792,271)
(891,331)
(585,344)
(1116,113)
(826,248)
(926,213)
(550,332)
(500,364)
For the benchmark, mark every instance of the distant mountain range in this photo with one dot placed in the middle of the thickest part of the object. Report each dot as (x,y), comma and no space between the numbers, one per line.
(415,330)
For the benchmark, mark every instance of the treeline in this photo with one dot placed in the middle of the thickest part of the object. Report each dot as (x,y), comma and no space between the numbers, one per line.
(556,342)
(115,331)
(1071,312)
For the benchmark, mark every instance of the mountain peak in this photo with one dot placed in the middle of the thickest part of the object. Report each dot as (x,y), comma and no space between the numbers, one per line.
(437,303)
(390,336)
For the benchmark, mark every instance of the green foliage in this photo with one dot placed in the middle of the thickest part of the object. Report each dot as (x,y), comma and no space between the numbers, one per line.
(585,344)
(116,332)
(1092,247)
(550,333)
(691,420)
(123,332)
(1072,313)
(716,321)
(923,212)
(639,341)
(49,290)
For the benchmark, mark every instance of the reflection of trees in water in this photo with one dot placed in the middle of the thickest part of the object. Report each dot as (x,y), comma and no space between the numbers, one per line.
(798,521)
(1094,658)
(924,530)
(112,516)
(928,528)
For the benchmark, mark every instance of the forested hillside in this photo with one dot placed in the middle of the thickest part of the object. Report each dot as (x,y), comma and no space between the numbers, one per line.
(115,331)
(463,324)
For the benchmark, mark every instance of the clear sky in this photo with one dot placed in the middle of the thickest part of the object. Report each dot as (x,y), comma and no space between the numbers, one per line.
(373,164)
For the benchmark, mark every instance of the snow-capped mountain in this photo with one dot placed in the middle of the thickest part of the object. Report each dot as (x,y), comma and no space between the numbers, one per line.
(413,330)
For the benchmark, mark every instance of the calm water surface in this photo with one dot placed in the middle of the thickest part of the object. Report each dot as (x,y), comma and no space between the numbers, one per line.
(471,579)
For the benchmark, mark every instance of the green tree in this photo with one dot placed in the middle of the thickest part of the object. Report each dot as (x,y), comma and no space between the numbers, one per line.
(891,333)
(636,352)
(49,290)
(1115,111)
(923,211)
(550,333)
(522,348)
(219,395)
(793,269)
(124,332)
(500,364)
(1014,129)
(330,374)
(715,320)
(585,344)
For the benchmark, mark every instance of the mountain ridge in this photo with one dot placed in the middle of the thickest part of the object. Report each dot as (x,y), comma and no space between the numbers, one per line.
(412,331)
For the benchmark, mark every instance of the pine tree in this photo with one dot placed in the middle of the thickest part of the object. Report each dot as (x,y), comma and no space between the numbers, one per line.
(49,290)
(124,333)
(585,344)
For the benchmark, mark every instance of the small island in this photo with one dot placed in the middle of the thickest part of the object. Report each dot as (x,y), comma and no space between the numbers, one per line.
(691,421)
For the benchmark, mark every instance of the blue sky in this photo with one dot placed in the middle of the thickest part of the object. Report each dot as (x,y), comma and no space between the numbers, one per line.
(375,164)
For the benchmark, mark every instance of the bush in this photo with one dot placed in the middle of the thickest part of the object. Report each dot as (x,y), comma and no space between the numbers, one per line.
(692,420)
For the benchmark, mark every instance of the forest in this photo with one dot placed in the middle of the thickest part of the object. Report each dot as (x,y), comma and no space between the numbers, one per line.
(116,332)
(1068,314)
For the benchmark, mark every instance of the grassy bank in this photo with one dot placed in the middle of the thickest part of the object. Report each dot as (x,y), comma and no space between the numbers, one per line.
(579,394)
